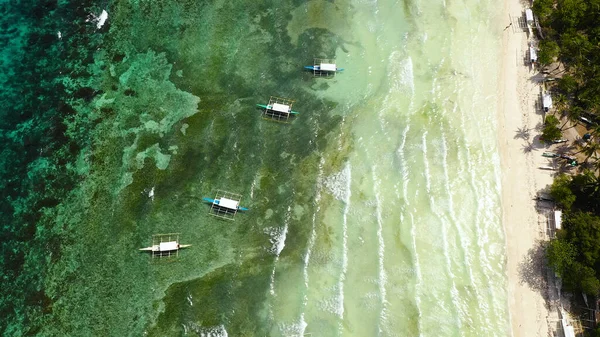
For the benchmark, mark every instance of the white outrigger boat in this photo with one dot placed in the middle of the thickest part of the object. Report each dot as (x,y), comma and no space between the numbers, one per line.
(278,109)
(324,67)
(165,247)
(225,204)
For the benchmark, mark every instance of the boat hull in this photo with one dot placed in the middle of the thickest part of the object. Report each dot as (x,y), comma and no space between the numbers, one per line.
(262,106)
(157,249)
(216,202)
(317,68)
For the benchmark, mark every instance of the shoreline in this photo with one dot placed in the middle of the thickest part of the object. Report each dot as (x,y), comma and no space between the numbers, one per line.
(520,156)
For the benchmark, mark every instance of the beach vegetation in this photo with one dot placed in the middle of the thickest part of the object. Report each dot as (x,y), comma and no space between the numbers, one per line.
(551,130)
(571,36)
(561,255)
(543,9)
(561,191)
(548,52)
(593,333)
(567,84)
(574,254)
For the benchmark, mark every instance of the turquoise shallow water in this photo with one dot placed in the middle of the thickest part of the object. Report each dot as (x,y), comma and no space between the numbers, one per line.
(375,212)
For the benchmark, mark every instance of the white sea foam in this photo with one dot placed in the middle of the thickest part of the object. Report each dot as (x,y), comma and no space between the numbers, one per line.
(254,183)
(404,169)
(425,162)
(344,176)
(293,329)
(382,277)
(417,268)
(338,183)
(445,236)
(213,331)
(476,169)
(465,244)
(100,19)
(401,66)
(277,235)
(310,245)
(277,239)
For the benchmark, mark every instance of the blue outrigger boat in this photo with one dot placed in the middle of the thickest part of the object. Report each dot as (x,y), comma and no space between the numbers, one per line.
(226,203)
(278,109)
(318,68)
(324,67)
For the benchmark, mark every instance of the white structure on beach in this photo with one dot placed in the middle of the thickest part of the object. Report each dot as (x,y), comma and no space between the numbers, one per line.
(532,55)
(546,102)
(568,330)
(557,219)
(529,17)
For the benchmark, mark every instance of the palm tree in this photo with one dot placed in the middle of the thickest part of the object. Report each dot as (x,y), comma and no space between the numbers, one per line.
(587,188)
(596,164)
(596,131)
(572,115)
(560,102)
(590,149)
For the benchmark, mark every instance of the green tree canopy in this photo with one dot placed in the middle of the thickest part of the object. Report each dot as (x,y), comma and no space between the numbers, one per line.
(571,12)
(586,188)
(561,255)
(567,84)
(543,9)
(548,51)
(583,231)
(561,191)
(551,130)
(584,279)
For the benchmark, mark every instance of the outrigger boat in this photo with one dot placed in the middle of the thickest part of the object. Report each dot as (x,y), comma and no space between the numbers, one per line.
(224,202)
(278,107)
(571,160)
(165,247)
(324,67)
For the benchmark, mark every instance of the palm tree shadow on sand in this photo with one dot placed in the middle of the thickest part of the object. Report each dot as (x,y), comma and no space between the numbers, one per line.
(533,269)
(529,147)
(523,133)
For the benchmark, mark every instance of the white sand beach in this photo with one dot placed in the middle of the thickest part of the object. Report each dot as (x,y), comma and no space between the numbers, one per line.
(522,178)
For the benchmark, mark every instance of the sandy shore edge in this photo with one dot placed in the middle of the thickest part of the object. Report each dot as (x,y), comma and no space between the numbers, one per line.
(522,178)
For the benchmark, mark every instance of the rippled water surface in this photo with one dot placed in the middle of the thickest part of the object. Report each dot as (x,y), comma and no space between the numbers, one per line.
(374,212)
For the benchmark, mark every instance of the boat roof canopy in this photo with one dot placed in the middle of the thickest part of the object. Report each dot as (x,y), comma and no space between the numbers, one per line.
(280,108)
(532,54)
(529,14)
(567,328)
(167,246)
(228,203)
(327,66)
(558,219)
(547,101)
